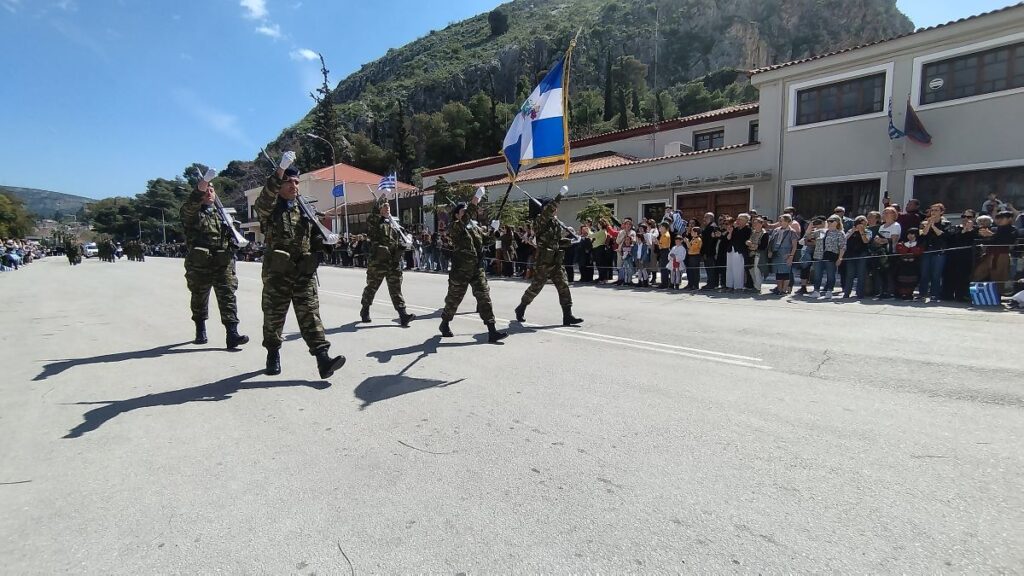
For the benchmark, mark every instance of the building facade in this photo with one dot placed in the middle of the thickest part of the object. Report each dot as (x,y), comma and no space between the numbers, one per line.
(818,137)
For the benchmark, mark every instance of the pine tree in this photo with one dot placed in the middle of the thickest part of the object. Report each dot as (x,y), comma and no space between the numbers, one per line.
(405,153)
(609,108)
(316,153)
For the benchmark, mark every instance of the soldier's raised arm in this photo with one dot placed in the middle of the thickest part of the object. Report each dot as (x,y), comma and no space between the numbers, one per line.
(189,212)
(268,196)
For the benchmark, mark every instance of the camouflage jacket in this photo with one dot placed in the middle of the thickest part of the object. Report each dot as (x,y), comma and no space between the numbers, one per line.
(467,237)
(282,222)
(202,224)
(383,235)
(548,230)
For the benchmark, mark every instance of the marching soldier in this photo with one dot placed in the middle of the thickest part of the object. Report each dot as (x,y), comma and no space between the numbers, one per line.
(467,269)
(386,252)
(210,263)
(73,251)
(289,269)
(550,255)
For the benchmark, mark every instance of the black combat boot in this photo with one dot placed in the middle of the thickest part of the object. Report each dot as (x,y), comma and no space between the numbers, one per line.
(234,338)
(446,331)
(273,362)
(568,319)
(493,336)
(364,314)
(404,317)
(200,332)
(521,312)
(328,365)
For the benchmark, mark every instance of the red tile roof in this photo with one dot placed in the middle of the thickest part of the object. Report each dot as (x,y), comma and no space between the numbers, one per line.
(353,175)
(642,130)
(858,47)
(601,161)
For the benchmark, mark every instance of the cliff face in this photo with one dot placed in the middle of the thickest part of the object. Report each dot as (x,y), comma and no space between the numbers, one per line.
(695,37)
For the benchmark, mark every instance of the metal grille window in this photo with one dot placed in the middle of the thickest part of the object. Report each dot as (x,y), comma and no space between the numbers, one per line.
(709,140)
(755,132)
(973,74)
(858,197)
(845,99)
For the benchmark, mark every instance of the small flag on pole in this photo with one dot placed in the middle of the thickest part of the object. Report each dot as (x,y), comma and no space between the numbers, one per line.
(894,132)
(914,128)
(389,182)
(339,191)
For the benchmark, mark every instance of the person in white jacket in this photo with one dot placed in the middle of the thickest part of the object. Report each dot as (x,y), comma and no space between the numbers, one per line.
(677,262)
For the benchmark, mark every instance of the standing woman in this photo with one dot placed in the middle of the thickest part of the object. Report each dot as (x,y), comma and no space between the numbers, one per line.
(758,245)
(736,234)
(585,254)
(782,246)
(664,246)
(829,248)
(598,242)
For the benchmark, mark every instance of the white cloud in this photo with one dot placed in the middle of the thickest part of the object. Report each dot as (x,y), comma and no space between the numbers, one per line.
(269,29)
(79,36)
(297,5)
(255,9)
(220,122)
(303,54)
(11,5)
(67,5)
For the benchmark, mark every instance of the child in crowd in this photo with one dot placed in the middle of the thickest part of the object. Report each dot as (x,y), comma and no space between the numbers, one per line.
(644,255)
(693,258)
(908,267)
(677,260)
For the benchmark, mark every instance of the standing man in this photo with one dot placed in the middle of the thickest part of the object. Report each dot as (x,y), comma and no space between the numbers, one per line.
(550,247)
(289,269)
(467,269)
(386,253)
(210,262)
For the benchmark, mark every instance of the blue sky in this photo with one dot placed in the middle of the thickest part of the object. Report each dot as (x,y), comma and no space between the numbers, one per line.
(100,96)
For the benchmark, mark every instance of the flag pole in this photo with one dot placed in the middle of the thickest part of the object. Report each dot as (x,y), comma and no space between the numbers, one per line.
(345,202)
(565,101)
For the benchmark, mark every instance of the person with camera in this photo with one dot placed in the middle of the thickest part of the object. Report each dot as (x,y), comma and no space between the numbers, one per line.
(858,239)
(210,263)
(829,249)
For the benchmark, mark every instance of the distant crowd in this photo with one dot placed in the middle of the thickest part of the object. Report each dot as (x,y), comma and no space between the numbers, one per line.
(15,253)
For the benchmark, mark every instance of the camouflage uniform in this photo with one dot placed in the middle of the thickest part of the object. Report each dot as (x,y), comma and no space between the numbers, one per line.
(289,269)
(74,252)
(385,262)
(550,253)
(210,261)
(466,269)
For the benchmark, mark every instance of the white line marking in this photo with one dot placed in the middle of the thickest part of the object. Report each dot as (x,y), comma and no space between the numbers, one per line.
(697,353)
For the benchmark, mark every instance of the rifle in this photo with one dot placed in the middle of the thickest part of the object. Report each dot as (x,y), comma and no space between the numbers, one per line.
(228,222)
(572,232)
(406,236)
(329,238)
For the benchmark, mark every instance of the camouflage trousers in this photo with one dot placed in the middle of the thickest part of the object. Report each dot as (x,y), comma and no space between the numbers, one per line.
(541,274)
(283,290)
(460,278)
(376,272)
(223,281)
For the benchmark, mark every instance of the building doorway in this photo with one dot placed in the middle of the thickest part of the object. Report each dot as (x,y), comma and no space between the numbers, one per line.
(731,202)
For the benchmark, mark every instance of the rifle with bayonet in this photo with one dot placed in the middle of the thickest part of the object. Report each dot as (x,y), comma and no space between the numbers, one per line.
(572,232)
(226,221)
(329,238)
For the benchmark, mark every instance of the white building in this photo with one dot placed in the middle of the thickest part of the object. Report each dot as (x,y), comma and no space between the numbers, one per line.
(818,136)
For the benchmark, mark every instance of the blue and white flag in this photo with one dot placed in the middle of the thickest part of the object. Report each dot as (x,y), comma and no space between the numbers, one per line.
(339,190)
(389,182)
(540,132)
(894,132)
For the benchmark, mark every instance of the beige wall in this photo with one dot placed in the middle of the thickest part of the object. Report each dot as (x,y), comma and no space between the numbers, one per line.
(967,134)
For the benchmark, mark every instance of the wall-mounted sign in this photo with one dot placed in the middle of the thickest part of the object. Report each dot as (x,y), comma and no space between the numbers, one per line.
(936,84)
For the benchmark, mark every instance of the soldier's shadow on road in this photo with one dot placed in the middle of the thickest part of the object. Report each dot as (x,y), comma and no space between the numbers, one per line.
(212,392)
(58,366)
(378,388)
(358,326)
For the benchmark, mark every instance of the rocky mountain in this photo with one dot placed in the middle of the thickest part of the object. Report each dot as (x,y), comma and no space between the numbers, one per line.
(46,203)
(636,61)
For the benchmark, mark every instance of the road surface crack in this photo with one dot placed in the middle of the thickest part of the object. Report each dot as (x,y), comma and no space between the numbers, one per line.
(826,356)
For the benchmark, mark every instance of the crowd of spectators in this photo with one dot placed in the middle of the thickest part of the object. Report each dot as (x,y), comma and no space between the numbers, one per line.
(15,253)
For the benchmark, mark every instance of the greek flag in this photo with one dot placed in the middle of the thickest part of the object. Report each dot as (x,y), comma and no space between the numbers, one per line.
(894,132)
(539,132)
(389,182)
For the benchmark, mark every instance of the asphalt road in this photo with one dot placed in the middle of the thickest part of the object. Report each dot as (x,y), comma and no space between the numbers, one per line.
(670,434)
